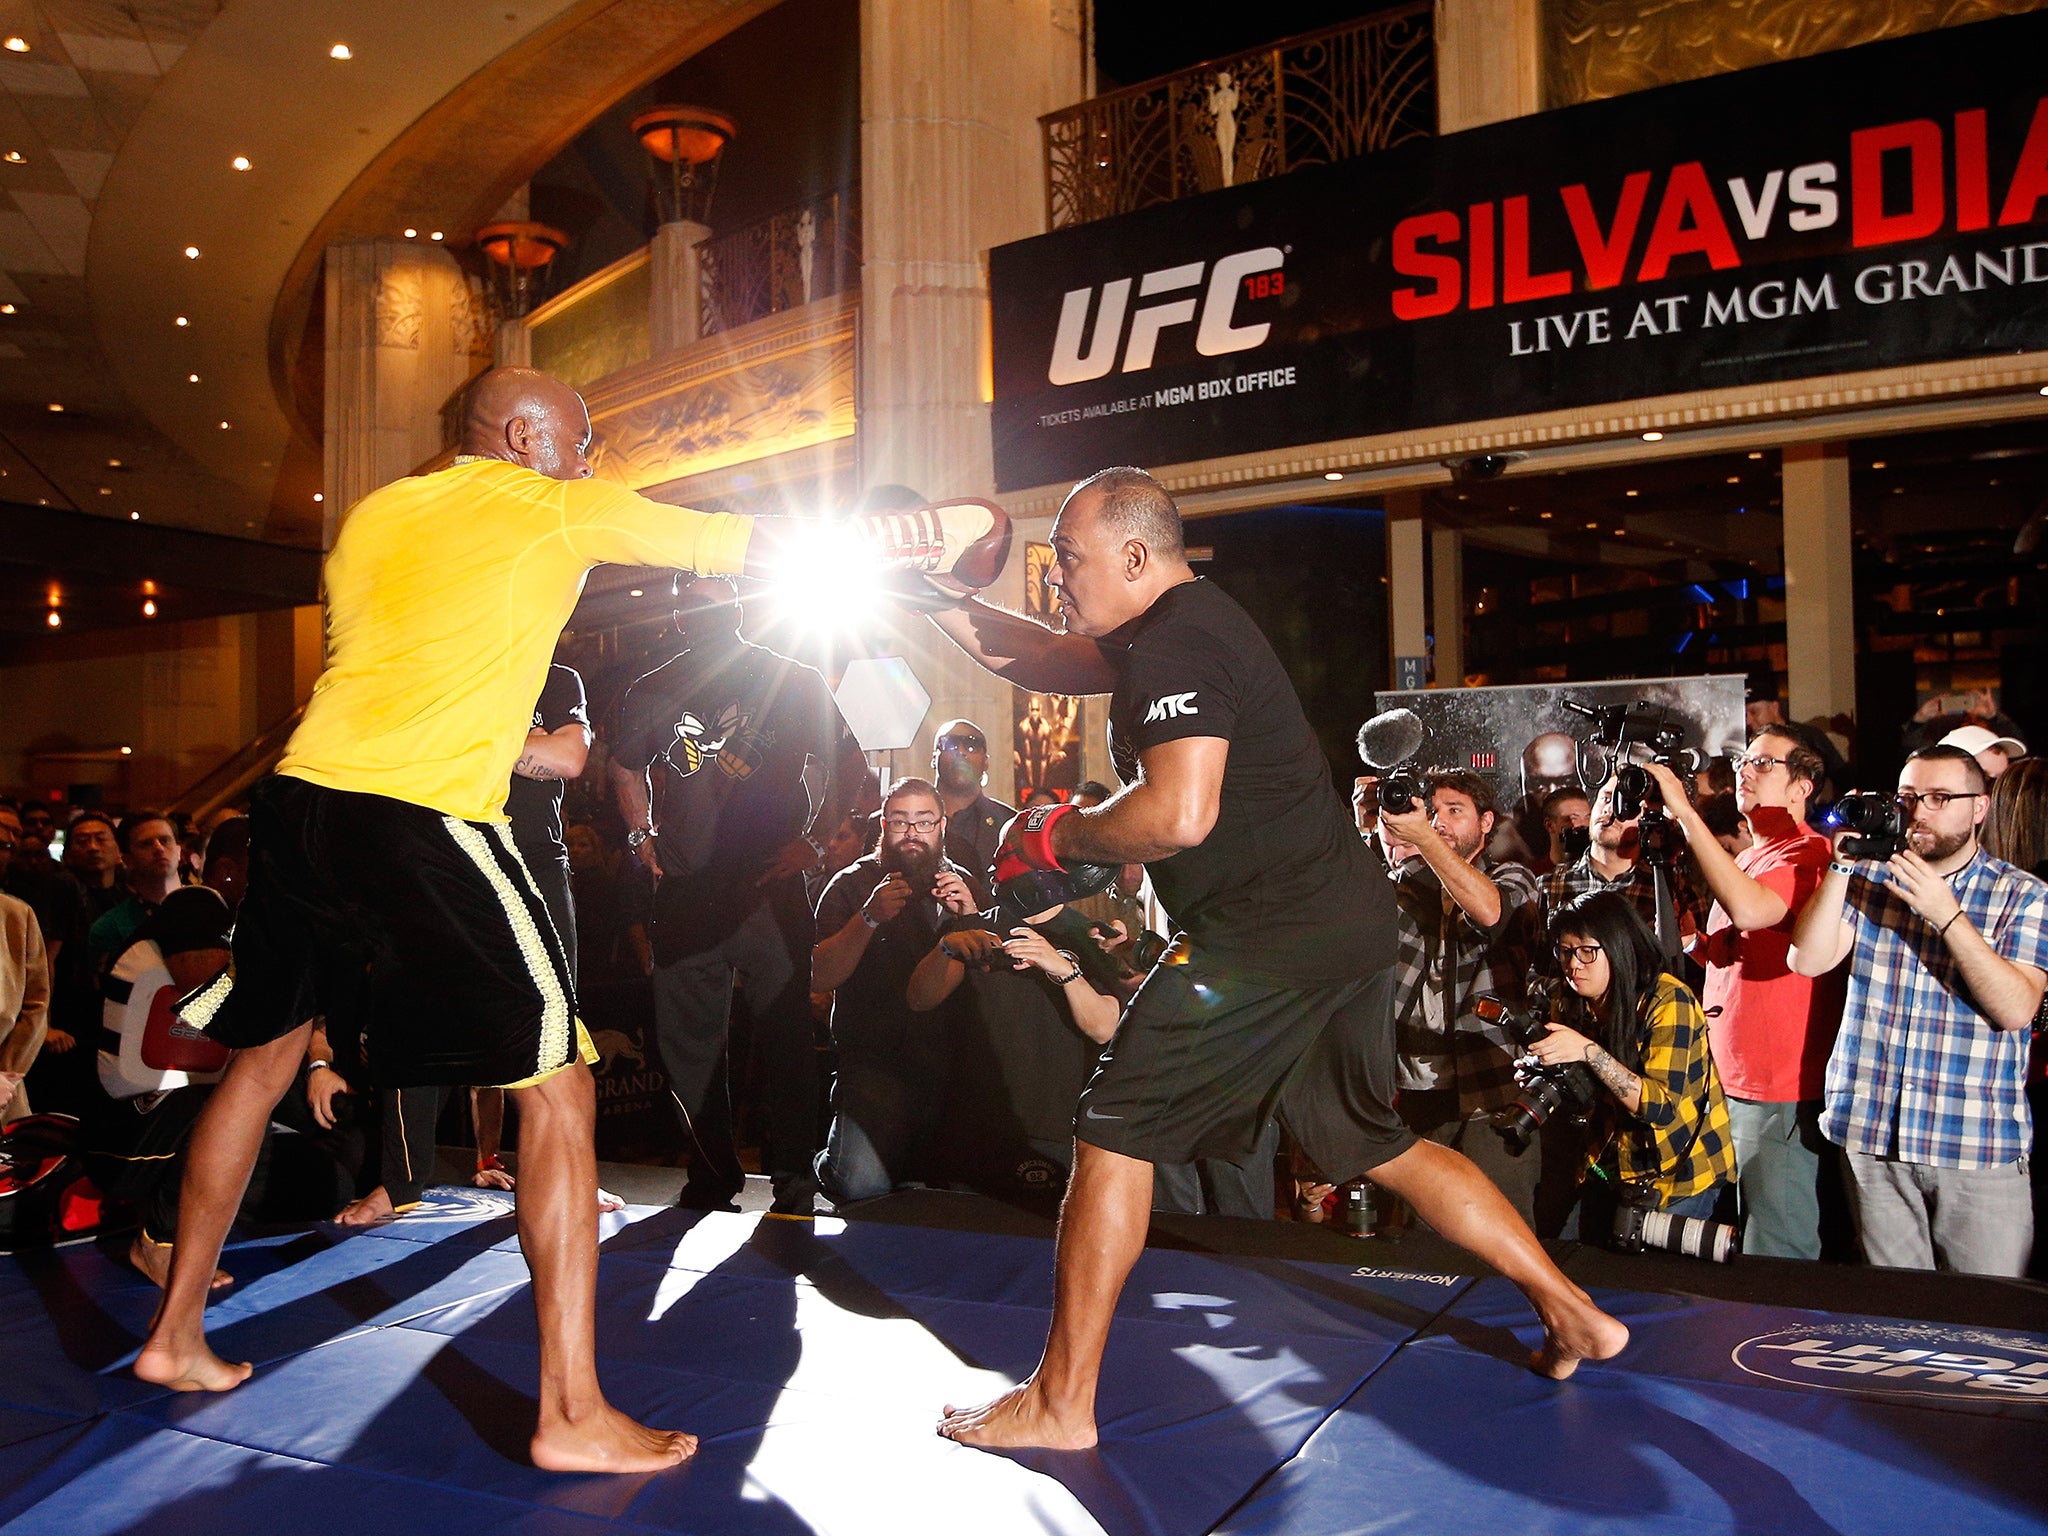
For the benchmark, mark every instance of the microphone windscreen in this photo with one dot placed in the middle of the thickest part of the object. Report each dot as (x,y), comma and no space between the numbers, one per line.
(1389,740)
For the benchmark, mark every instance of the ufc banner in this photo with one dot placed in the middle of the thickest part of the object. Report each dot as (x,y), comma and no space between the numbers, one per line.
(1878,206)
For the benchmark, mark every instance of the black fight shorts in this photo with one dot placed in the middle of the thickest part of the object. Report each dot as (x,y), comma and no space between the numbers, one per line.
(419,937)
(1202,1061)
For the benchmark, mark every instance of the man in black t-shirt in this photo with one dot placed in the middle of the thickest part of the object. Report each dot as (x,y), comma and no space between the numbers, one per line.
(1283,1004)
(733,729)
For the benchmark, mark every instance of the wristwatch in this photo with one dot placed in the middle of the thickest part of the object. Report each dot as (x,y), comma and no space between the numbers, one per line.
(1072,976)
(639,835)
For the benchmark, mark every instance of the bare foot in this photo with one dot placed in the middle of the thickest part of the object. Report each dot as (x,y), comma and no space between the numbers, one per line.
(373,1208)
(154,1261)
(1019,1418)
(1574,1330)
(607,1441)
(189,1370)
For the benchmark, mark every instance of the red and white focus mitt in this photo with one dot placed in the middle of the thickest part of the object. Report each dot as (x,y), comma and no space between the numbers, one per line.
(1027,842)
(940,552)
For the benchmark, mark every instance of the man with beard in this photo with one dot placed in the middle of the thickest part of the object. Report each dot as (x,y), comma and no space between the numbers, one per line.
(1281,1007)
(974,822)
(1468,928)
(881,915)
(1925,1091)
(735,729)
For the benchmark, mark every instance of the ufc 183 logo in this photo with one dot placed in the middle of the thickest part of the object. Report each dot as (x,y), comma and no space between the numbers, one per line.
(1217,333)
(1171,707)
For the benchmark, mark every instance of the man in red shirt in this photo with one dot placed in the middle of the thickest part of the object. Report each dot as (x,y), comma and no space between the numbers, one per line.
(1771,1029)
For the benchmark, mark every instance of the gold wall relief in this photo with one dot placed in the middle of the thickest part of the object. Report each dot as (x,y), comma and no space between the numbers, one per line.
(598,327)
(1594,49)
(783,383)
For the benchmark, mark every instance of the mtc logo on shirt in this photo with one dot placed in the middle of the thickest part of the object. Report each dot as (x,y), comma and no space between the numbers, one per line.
(1171,707)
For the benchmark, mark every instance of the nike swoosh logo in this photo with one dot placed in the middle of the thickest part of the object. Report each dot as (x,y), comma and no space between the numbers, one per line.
(1091,1114)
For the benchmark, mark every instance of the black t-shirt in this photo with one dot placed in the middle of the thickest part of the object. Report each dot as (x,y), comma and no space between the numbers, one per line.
(1281,887)
(535,805)
(871,1008)
(734,733)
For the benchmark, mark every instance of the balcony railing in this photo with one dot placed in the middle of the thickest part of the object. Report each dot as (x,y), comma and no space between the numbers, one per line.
(1346,90)
(805,252)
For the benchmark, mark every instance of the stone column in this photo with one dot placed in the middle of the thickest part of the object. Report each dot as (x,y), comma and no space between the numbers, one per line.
(406,330)
(1820,590)
(1447,605)
(1407,582)
(675,267)
(1489,62)
(951,164)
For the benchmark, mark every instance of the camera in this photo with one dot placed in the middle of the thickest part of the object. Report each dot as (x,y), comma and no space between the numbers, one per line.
(1399,791)
(1631,734)
(1878,831)
(1638,1224)
(1544,1089)
(1387,743)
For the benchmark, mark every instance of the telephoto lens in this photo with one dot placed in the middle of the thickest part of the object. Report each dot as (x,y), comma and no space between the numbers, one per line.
(1637,1227)
(1358,1213)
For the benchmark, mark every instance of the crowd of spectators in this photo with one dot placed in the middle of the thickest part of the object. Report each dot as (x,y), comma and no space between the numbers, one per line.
(1841,1054)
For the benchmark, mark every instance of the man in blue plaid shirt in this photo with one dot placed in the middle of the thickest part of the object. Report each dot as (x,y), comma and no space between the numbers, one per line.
(1926,1088)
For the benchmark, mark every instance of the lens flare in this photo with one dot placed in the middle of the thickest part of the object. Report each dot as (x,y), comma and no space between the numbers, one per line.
(830,583)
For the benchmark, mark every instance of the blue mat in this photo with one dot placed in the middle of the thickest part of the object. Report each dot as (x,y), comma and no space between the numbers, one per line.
(396,1372)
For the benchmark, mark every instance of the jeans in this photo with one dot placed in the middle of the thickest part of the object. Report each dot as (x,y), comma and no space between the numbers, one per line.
(1778,1172)
(1978,1221)
(883,1107)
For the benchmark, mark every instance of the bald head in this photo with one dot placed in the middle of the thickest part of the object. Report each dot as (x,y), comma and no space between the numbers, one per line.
(527,417)
(1117,547)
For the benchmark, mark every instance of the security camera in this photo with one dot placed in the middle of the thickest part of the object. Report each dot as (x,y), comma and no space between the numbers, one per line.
(1481,466)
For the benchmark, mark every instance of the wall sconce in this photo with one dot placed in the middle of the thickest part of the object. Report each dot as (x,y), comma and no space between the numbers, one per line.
(522,254)
(685,144)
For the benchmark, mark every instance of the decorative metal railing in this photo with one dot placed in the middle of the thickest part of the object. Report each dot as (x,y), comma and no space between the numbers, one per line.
(1347,90)
(805,252)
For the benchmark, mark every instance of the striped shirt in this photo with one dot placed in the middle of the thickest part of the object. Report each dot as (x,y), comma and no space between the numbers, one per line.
(1917,1073)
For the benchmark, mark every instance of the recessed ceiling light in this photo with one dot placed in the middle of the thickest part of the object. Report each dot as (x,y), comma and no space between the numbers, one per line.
(1735,479)
(55,406)
(15,157)
(182,322)
(1631,493)
(411,233)
(16,45)
(435,234)
(127,751)
(1333,474)
(191,378)
(54,619)
(106,490)
(113,463)
(149,608)
(1545,515)
(1653,437)
(2044,389)
(636,592)
(240,162)
(1877,463)
(134,517)
(223,426)
(1592,525)
(1898,490)
(1756,453)
(319,496)
(191,253)
(6,309)
(339,51)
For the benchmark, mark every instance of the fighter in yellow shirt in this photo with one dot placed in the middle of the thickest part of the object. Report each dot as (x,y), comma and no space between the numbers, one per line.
(384,890)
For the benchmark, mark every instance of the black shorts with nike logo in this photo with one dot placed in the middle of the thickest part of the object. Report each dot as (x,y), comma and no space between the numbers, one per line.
(1203,1059)
(419,934)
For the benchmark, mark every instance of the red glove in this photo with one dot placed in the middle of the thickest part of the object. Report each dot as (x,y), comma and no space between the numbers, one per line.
(1027,842)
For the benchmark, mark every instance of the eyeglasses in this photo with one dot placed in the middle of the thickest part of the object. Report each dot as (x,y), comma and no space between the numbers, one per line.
(1936,800)
(962,744)
(1581,954)
(1757,762)
(922,825)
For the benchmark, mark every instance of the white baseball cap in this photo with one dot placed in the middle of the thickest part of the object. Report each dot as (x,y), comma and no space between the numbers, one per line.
(1975,738)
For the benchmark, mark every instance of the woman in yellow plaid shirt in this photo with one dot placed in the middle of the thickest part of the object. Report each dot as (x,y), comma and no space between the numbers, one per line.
(1640,1032)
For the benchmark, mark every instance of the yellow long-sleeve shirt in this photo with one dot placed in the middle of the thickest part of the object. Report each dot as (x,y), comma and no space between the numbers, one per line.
(445,595)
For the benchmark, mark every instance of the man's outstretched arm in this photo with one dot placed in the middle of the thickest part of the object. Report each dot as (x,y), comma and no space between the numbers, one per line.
(1026,652)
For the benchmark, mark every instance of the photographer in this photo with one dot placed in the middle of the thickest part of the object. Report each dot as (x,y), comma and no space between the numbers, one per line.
(1771,1029)
(1465,928)
(1926,1088)
(1639,1031)
(1618,860)
(879,916)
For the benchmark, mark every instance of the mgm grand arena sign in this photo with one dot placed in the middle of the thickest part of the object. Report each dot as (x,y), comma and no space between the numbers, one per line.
(1875,207)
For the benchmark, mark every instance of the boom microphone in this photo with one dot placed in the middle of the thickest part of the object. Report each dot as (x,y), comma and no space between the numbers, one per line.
(1388,740)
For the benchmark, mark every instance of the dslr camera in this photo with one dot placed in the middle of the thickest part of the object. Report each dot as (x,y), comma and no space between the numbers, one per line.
(1388,744)
(1630,733)
(1638,1224)
(1872,818)
(1544,1089)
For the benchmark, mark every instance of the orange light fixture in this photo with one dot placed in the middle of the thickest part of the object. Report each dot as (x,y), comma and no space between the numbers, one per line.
(685,144)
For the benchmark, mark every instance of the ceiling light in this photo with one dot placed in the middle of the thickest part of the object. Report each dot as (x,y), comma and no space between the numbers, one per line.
(1333,474)
(435,234)
(191,378)
(54,619)
(1543,514)
(113,463)
(1631,493)
(411,233)
(339,51)
(2044,389)
(149,608)
(223,426)
(106,490)
(1735,479)
(182,322)
(240,162)
(1592,525)
(1877,463)
(149,589)
(127,751)
(1653,437)
(55,406)
(15,157)
(636,592)
(318,496)
(16,45)
(6,309)
(134,517)
(191,253)
(1756,453)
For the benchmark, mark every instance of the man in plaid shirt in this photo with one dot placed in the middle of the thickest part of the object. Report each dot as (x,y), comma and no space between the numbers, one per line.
(1613,862)
(1926,1087)
(1467,927)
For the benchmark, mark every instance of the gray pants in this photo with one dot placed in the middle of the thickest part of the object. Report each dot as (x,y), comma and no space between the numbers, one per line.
(1979,1221)
(1778,1169)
